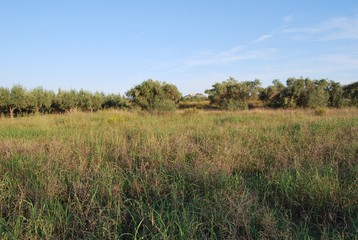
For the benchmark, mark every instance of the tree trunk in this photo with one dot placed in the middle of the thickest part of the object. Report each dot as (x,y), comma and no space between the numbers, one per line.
(11,112)
(37,111)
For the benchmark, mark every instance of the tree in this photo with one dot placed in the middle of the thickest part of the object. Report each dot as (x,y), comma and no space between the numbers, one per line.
(335,91)
(272,94)
(40,100)
(304,93)
(115,101)
(13,99)
(295,93)
(4,99)
(154,95)
(317,93)
(231,94)
(351,93)
(67,100)
(90,101)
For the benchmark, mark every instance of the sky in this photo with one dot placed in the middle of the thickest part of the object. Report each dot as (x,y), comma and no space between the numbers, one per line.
(113,45)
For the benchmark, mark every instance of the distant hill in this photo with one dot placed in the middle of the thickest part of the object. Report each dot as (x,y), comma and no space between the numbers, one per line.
(195,96)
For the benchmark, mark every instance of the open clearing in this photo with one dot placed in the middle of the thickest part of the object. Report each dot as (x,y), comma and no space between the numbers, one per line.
(186,175)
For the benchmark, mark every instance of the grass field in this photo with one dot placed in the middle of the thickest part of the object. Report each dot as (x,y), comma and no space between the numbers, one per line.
(259,174)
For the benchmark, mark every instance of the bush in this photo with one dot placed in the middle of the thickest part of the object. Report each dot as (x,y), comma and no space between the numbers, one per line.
(116,119)
(320,111)
(165,105)
(231,105)
(154,95)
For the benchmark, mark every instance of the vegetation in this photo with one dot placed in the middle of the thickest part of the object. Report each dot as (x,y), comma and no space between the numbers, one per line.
(19,101)
(195,101)
(351,93)
(191,174)
(232,95)
(12,99)
(155,96)
(259,174)
(303,93)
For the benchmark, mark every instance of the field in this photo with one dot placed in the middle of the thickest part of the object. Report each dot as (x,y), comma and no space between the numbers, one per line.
(258,174)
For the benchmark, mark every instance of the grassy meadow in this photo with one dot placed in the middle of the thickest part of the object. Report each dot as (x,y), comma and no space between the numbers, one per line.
(191,174)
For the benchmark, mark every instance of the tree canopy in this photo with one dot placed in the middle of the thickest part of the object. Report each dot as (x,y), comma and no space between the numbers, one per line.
(231,94)
(154,95)
(13,99)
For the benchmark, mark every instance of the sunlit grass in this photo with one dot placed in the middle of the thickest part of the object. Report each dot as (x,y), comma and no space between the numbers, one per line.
(191,174)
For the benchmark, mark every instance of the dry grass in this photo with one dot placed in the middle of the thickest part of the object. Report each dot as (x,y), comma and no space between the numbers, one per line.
(258,174)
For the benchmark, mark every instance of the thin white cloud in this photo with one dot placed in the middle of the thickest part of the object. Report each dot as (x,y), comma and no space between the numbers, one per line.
(140,34)
(181,66)
(341,61)
(288,18)
(262,38)
(232,55)
(333,29)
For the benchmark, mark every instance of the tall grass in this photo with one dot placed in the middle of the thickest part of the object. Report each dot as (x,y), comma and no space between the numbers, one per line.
(205,175)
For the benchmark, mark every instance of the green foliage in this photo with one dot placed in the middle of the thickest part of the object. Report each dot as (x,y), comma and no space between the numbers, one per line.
(320,111)
(4,99)
(40,100)
(335,95)
(232,95)
(115,101)
(68,100)
(303,93)
(190,111)
(164,105)
(90,101)
(271,94)
(116,119)
(232,104)
(13,99)
(351,93)
(154,95)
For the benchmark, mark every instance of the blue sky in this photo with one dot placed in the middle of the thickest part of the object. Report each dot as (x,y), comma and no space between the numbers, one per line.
(111,46)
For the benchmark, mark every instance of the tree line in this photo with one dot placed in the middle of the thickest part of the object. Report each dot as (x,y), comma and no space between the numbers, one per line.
(18,101)
(153,95)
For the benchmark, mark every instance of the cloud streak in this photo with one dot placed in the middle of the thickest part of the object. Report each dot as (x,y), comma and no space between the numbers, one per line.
(341,28)
(341,61)
(262,38)
(288,18)
(235,54)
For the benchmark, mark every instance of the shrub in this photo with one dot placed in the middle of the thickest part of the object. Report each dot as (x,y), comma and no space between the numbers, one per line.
(165,105)
(190,111)
(320,111)
(154,95)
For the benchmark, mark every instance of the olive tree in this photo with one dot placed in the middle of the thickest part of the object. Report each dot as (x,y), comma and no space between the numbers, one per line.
(115,101)
(271,94)
(335,91)
(350,93)
(154,95)
(231,94)
(90,101)
(40,100)
(67,100)
(13,99)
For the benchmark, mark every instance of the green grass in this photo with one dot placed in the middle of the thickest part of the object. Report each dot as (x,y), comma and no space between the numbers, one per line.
(260,174)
